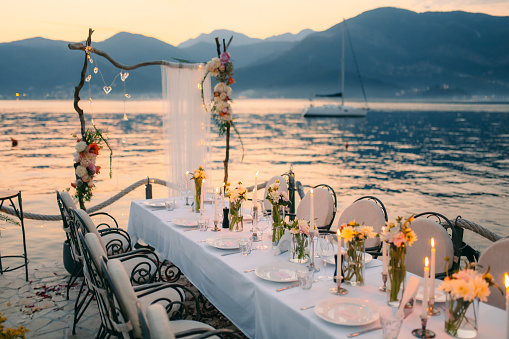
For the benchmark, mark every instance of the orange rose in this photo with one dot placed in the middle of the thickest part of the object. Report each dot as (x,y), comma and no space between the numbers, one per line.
(93,148)
(231,81)
(97,168)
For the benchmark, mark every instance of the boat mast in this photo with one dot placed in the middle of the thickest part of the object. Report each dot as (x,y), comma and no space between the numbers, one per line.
(343,64)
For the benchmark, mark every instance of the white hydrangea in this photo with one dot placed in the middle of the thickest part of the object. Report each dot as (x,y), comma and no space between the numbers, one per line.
(81,171)
(81,146)
(76,156)
(221,87)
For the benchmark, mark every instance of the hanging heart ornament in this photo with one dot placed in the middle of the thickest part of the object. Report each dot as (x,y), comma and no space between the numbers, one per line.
(123,76)
(107,89)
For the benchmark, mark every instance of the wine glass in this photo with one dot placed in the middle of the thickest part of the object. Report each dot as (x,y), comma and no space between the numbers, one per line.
(326,252)
(261,226)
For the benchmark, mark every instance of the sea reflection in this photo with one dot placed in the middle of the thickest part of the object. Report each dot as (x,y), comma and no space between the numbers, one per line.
(414,160)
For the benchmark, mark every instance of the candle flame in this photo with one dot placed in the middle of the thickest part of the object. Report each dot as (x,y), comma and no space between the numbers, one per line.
(338,232)
(426,261)
(311,191)
(203,181)
(506,277)
(187,173)
(257,173)
(217,189)
(432,242)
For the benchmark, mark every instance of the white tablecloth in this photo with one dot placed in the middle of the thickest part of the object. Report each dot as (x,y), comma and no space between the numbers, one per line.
(253,304)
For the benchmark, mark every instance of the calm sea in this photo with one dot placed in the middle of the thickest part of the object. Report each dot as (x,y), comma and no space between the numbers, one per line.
(448,158)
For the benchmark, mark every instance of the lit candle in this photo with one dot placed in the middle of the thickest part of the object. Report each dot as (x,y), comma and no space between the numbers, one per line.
(384,254)
(432,270)
(215,204)
(255,190)
(202,195)
(506,278)
(424,313)
(338,262)
(312,211)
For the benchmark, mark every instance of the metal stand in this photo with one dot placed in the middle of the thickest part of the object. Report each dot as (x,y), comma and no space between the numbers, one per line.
(10,195)
(216,229)
(423,332)
(338,290)
(431,309)
(384,279)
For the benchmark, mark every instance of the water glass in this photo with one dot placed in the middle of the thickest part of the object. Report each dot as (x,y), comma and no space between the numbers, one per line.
(203,223)
(390,324)
(305,278)
(245,245)
(326,252)
(170,204)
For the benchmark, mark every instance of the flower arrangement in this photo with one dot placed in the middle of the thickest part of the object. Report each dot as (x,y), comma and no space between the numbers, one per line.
(8,333)
(237,195)
(399,235)
(198,176)
(221,68)
(463,288)
(355,236)
(85,169)
(277,199)
(300,230)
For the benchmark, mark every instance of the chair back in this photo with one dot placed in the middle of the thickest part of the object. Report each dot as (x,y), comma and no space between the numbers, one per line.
(85,223)
(425,229)
(368,211)
(496,258)
(283,187)
(66,205)
(323,206)
(158,322)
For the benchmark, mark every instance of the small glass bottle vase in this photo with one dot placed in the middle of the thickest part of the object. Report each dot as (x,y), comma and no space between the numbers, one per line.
(236,218)
(354,263)
(461,317)
(277,233)
(397,274)
(299,248)
(197,196)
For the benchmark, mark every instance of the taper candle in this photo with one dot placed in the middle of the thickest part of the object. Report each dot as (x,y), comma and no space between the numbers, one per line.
(432,270)
(424,313)
(506,278)
(312,210)
(215,204)
(338,262)
(384,254)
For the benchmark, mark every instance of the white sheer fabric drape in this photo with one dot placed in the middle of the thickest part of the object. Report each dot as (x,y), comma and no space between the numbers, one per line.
(186,124)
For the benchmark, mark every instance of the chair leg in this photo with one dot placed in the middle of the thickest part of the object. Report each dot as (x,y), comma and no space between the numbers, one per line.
(74,276)
(81,305)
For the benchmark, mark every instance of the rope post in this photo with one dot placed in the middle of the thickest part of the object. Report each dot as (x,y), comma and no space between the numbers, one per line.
(148,189)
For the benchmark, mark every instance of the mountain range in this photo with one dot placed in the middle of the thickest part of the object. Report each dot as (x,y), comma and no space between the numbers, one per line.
(399,54)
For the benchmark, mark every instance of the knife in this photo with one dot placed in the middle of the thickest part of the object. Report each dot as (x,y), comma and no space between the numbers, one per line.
(291,286)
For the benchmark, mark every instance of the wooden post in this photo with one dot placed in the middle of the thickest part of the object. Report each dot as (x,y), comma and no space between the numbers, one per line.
(227,158)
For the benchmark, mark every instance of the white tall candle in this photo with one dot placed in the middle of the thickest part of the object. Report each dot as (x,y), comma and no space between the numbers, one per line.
(338,262)
(202,195)
(255,195)
(312,210)
(506,278)
(215,204)
(432,270)
(222,196)
(424,313)
(384,255)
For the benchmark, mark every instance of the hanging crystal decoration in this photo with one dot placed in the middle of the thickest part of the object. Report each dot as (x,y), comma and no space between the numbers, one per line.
(123,76)
(124,139)
(87,79)
(96,70)
(125,117)
(107,89)
(90,99)
(93,122)
(128,96)
(90,59)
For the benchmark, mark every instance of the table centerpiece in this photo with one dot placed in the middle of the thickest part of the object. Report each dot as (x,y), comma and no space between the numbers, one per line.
(236,196)
(279,201)
(198,176)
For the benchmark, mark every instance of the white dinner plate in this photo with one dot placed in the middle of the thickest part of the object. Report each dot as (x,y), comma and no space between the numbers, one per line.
(367,258)
(158,204)
(279,271)
(439,295)
(347,311)
(224,243)
(185,222)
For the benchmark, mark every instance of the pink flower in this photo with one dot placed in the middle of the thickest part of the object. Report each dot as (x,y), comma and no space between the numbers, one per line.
(221,68)
(399,239)
(92,168)
(225,57)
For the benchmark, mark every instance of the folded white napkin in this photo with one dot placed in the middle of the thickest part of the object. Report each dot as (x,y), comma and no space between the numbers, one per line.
(283,245)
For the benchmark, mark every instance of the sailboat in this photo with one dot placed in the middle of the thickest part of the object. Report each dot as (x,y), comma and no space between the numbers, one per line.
(336,110)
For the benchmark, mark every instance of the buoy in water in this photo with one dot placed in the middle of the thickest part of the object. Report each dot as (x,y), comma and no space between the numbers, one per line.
(14,142)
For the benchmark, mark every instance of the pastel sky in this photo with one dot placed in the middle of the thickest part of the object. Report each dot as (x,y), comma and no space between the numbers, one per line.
(177,21)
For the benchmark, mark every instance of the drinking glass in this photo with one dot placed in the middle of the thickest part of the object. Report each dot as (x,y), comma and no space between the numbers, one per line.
(261,226)
(305,278)
(326,252)
(245,245)
(391,324)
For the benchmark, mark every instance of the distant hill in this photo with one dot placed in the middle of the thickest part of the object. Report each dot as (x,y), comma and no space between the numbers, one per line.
(400,54)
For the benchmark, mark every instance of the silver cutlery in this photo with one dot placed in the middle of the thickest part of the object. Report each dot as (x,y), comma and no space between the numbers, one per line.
(247,271)
(202,240)
(235,252)
(191,229)
(291,286)
(305,308)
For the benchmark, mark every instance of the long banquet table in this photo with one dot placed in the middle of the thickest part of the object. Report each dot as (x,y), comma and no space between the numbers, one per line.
(252,303)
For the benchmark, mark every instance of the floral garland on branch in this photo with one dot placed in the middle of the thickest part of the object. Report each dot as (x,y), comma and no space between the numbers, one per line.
(221,68)
(85,169)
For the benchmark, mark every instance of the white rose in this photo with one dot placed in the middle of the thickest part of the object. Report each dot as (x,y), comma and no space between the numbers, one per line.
(84,162)
(81,146)
(220,87)
(221,105)
(76,156)
(228,91)
(222,96)
(81,171)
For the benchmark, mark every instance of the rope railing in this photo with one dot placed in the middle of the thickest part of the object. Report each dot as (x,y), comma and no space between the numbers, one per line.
(463,223)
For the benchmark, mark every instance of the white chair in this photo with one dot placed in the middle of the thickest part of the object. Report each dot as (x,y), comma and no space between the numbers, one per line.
(127,299)
(425,229)
(496,258)
(283,187)
(324,206)
(369,211)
